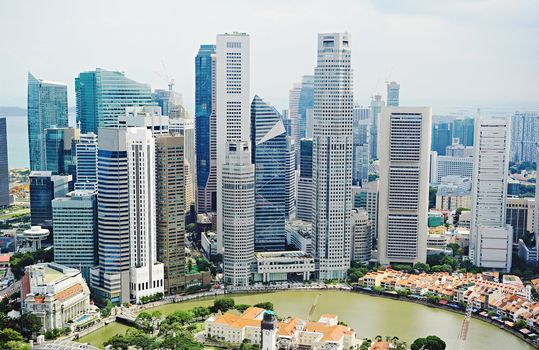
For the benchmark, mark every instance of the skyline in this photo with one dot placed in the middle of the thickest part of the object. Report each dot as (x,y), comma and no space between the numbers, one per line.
(495,36)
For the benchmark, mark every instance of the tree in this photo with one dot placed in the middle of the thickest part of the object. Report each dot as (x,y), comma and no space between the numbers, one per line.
(9,334)
(105,311)
(182,317)
(431,342)
(29,324)
(190,228)
(190,265)
(520,324)
(422,267)
(118,342)
(241,307)
(144,321)
(265,305)
(223,304)
(200,312)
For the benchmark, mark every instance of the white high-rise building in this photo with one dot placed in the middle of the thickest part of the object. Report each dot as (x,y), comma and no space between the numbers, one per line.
(238,213)
(491,238)
(186,128)
(146,274)
(405,133)
(233,105)
(332,155)
(361,236)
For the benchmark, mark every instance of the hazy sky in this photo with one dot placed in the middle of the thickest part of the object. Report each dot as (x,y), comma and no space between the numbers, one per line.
(474,53)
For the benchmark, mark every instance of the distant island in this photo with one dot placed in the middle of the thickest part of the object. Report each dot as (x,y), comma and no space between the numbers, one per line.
(12,111)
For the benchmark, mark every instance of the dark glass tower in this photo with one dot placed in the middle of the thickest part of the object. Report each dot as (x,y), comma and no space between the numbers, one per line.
(441,137)
(4,170)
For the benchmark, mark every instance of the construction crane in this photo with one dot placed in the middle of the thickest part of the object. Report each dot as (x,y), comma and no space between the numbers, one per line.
(461,340)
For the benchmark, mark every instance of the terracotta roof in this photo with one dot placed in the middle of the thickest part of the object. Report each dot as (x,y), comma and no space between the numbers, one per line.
(69,292)
(380,345)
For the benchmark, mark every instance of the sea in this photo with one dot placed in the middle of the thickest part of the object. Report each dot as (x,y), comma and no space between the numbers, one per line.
(17,140)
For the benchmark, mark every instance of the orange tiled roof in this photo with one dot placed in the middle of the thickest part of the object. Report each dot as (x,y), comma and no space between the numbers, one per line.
(69,292)
(380,345)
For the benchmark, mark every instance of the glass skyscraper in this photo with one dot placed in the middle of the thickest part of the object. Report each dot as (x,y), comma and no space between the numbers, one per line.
(306,102)
(441,137)
(203,110)
(464,130)
(270,153)
(44,187)
(47,106)
(103,95)
(60,150)
(4,170)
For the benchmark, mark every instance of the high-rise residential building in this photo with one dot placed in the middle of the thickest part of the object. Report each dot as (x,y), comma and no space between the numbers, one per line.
(186,127)
(168,100)
(238,213)
(290,180)
(404,184)
(366,197)
(332,155)
(305,182)
(270,156)
(524,136)
(464,130)
(170,209)
(393,91)
(86,162)
(44,187)
(146,274)
(360,152)
(110,280)
(103,95)
(204,106)
(4,165)
(232,105)
(441,137)
(491,238)
(75,230)
(361,236)
(60,146)
(47,106)
(376,107)
(306,107)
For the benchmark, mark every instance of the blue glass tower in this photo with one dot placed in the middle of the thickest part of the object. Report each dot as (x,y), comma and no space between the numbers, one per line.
(47,106)
(270,152)
(306,101)
(441,137)
(4,171)
(203,110)
(103,95)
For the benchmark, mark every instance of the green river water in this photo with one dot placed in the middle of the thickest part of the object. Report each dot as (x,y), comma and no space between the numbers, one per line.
(369,316)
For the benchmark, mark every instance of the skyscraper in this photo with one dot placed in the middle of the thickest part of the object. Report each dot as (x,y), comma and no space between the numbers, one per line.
(270,155)
(393,90)
(110,280)
(293,111)
(103,95)
(360,152)
(75,231)
(146,274)
(524,136)
(290,180)
(233,105)
(332,155)
(491,238)
(4,168)
(86,155)
(168,100)
(305,106)
(170,208)
(47,106)
(204,91)
(464,130)
(186,127)
(376,107)
(361,236)
(238,213)
(44,187)
(404,184)
(441,137)
(305,182)
(60,146)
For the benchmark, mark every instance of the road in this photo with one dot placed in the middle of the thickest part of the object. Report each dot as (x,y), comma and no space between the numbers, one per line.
(15,287)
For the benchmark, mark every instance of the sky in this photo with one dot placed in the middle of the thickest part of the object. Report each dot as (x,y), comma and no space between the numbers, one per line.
(446,54)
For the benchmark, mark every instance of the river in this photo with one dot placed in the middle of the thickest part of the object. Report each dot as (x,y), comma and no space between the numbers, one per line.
(369,316)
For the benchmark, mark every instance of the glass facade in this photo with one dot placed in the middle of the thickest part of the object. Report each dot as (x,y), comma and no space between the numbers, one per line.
(464,130)
(47,107)
(306,101)
(44,187)
(270,154)
(103,95)
(60,150)
(4,170)
(441,137)
(203,110)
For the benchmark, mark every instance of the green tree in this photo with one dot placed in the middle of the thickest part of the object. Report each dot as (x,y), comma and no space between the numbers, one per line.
(144,321)
(191,228)
(223,304)
(200,312)
(431,342)
(265,305)
(105,311)
(241,307)
(29,325)
(118,342)
(182,317)
(8,334)
(520,324)
(422,267)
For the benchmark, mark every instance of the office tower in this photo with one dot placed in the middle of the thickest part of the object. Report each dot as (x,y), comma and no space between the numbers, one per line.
(168,100)
(4,165)
(404,184)
(148,117)
(306,107)
(442,166)
(393,89)
(270,156)
(103,95)
(366,197)
(491,238)
(305,182)
(110,280)
(146,274)
(47,106)
(186,127)
(44,187)
(74,221)
(464,130)
(170,208)
(376,108)
(86,161)
(458,150)
(520,216)
(60,146)
(290,180)
(204,94)
(332,155)
(441,137)
(232,105)
(524,136)
(238,213)
(293,111)
(454,192)
(360,151)
(361,236)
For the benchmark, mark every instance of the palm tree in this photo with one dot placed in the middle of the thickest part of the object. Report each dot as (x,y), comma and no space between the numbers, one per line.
(378,338)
